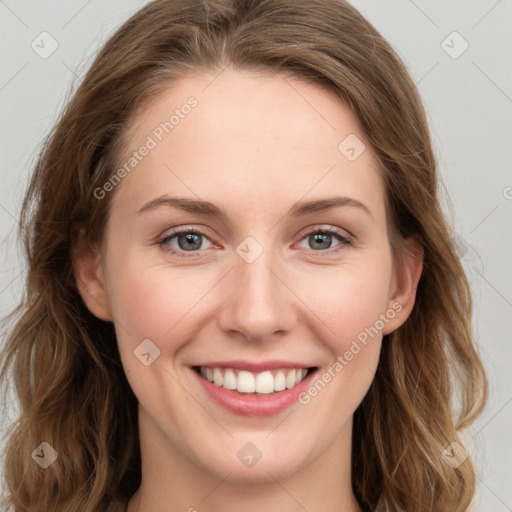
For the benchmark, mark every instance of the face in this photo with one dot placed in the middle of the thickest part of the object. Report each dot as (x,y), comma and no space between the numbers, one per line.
(221,261)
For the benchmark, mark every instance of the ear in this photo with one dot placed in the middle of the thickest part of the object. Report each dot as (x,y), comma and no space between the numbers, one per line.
(89,277)
(403,285)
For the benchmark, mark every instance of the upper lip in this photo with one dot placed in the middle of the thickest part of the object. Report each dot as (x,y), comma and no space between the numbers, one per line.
(253,366)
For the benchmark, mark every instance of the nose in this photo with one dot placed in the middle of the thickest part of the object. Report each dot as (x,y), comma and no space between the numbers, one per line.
(259,303)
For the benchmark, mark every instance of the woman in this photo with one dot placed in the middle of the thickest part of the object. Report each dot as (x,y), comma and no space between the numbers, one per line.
(242,290)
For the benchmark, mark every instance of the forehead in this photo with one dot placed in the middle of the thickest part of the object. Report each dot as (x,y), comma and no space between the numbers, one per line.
(257,137)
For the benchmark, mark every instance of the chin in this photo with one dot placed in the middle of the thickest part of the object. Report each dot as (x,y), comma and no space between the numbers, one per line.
(257,462)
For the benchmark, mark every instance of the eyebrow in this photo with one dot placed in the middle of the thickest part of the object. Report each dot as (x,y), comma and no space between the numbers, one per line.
(298,209)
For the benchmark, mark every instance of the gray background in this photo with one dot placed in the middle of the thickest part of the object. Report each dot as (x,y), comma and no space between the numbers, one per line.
(468,98)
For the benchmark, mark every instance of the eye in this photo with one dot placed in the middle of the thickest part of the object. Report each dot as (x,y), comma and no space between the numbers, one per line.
(181,241)
(191,241)
(321,239)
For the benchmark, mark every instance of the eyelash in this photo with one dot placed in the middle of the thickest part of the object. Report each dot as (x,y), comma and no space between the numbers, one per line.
(343,239)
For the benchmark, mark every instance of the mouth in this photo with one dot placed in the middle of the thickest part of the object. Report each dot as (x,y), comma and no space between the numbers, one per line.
(254,389)
(261,383)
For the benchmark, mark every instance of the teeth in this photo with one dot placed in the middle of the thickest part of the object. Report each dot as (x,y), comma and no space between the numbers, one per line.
(279,381)
(229,379)
(264,383)
(247,382)
(290,379)
(217,377)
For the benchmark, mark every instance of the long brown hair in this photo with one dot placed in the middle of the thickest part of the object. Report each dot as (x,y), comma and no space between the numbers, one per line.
(64,361)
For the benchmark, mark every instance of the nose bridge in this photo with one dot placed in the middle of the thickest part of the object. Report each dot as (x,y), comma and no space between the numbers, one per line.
(260,304)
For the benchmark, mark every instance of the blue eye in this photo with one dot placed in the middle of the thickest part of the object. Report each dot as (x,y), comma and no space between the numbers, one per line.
(320,238)
(190,240)
(187,240)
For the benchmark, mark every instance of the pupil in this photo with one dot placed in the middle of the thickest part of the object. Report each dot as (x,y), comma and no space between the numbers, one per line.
(190,238)
(193,241)
(320,238)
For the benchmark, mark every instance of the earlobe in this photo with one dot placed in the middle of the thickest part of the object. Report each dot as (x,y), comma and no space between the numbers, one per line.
(404,285)
(89,278)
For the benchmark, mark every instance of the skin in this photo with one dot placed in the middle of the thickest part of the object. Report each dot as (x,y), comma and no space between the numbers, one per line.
(255,144)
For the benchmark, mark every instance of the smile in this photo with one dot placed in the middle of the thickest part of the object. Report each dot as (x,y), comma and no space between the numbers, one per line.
(266,382)
(254,389)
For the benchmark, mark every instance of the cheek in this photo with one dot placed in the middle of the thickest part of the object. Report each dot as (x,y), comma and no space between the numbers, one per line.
(154,301)
(350,306)
(152,305)
(348,300)
(143,304)
(352,314)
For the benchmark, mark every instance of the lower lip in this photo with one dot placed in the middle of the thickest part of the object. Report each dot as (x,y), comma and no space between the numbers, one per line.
(246,404)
